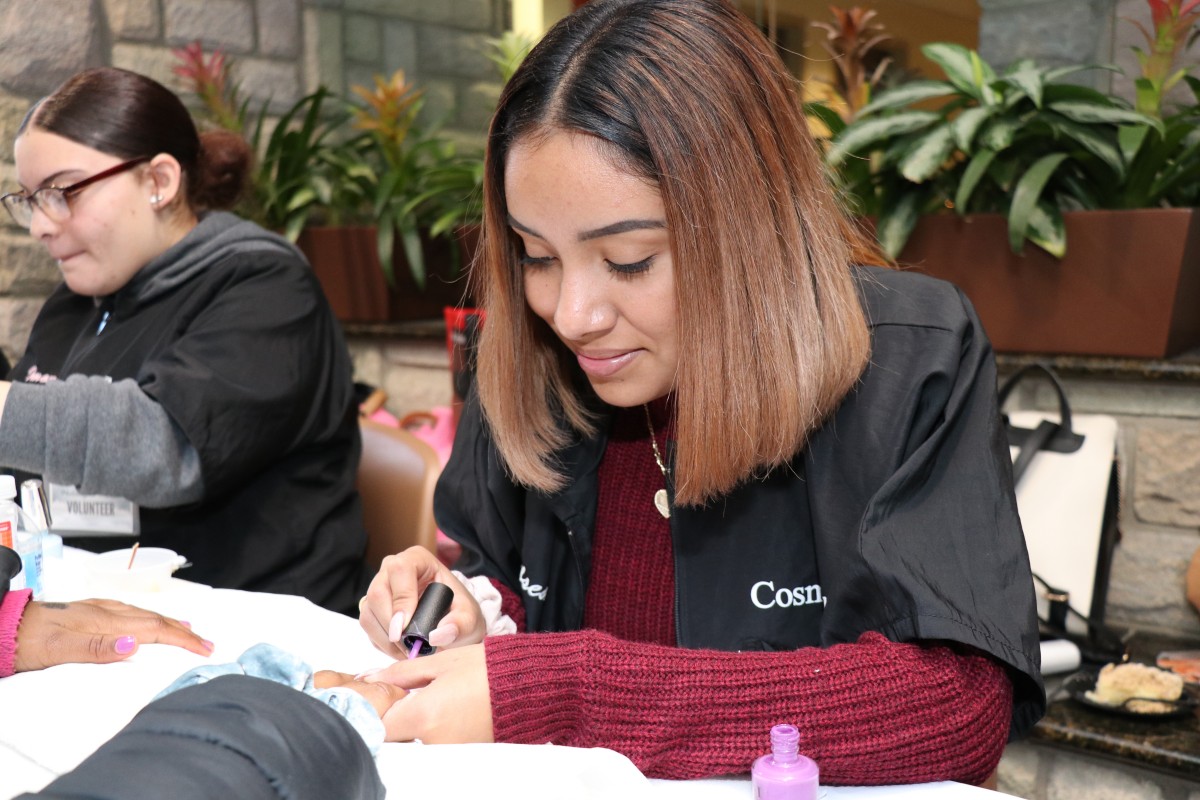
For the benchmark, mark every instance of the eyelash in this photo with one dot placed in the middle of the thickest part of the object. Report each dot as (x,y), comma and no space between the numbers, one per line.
(622,270)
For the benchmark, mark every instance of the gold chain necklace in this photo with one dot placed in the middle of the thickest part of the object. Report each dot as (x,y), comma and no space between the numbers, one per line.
(660,497)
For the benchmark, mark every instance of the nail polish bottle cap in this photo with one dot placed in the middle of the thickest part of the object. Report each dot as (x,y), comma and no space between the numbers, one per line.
(433,605)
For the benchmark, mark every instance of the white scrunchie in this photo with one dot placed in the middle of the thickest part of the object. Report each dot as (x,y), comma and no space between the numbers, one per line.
(488,598)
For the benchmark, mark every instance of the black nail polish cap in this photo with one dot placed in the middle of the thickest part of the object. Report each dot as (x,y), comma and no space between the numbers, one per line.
(433,605)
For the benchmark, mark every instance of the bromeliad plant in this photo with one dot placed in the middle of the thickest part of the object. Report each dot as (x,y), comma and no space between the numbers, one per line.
(302,163)
(849,40)
(1022,143)
(339,163)
(1174,30)
(416,181)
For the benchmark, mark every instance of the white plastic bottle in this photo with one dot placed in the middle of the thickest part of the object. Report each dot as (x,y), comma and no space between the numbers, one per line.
(19,532)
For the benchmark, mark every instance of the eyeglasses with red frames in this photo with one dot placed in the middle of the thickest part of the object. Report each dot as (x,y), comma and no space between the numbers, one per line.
(55,201)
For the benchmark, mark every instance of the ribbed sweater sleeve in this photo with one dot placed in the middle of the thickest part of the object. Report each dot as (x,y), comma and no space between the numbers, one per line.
(12,606)
(873,712)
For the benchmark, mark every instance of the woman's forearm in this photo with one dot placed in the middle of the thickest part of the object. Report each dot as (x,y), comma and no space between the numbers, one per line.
(104,437)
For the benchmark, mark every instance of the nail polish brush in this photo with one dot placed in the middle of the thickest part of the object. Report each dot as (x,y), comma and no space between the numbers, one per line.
(433,605)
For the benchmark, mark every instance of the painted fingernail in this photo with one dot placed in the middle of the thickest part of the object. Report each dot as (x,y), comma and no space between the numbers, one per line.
(208,645)
(185,623)
(368,673)
(443,635)
(396,629)
(125,645)
(362,601)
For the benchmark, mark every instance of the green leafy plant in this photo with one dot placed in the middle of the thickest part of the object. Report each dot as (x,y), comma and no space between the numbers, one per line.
(416,181)
(507,51)
(1023,143)
(302,161)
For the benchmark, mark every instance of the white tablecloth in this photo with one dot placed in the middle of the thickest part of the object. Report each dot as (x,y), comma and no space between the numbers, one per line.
(51,720)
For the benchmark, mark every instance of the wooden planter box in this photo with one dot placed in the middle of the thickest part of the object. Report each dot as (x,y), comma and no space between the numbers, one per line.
(1129,285)
(346,263)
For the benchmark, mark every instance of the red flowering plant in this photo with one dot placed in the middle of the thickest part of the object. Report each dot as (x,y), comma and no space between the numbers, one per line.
(302,163)
(1174,29)
(208,76)
(851,40)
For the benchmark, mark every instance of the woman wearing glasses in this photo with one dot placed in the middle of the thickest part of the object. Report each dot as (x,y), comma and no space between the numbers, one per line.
(188,363)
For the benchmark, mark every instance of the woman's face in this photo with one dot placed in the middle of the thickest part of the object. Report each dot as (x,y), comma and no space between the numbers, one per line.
(597,264)
(111,232)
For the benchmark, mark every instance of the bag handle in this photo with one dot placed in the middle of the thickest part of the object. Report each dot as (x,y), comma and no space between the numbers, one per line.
(1061,438)
(1102,643)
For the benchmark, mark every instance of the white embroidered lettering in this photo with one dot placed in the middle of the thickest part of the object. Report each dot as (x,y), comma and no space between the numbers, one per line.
(764,595)
(34,376)
(534,590)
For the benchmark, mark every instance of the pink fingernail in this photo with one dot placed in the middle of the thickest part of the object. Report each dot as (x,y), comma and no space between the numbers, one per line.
(208,645)
(444,635)
(185,623)
(368,673)
(125,645)
(396,628)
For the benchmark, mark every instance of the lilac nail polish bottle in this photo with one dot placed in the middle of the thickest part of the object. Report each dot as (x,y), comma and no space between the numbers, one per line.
(784,774)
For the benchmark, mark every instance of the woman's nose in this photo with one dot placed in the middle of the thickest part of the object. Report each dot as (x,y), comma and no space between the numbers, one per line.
(40,225)
(584,309)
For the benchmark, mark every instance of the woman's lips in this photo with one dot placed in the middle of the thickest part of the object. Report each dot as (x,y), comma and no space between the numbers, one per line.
(605,365)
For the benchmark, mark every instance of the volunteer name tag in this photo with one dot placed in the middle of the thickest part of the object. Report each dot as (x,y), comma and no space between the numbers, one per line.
(75,514)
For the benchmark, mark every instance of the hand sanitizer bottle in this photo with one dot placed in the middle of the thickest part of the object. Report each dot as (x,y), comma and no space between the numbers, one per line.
(784,774)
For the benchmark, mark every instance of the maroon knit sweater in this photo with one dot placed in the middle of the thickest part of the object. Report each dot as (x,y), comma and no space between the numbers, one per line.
(873,712)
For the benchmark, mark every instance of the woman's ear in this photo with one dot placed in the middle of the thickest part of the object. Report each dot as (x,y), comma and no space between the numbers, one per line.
(164,180)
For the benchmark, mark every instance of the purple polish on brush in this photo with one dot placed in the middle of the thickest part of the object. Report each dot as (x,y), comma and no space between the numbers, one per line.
(784,774)
(433,605)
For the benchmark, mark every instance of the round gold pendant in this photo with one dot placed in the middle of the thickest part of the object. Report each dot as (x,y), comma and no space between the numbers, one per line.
(662,504)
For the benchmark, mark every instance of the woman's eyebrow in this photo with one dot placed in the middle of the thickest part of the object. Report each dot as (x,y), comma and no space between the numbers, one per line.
(49,179)
(623,227)
(608,230)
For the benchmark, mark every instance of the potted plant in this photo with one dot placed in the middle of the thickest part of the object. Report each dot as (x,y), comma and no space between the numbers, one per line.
(345,181)
(1076,199)
(401,260)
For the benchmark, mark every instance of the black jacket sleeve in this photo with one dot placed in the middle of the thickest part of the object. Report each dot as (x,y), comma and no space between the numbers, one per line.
(235,736)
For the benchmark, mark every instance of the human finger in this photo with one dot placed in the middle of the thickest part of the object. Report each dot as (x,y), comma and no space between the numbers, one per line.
(381,696)
(453,703)
(392,597)
(148,627)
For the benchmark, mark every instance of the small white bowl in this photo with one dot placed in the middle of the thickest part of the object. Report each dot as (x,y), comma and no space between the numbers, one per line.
(151,569)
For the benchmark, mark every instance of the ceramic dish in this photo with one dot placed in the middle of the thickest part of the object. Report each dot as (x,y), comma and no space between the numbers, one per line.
(1078,685)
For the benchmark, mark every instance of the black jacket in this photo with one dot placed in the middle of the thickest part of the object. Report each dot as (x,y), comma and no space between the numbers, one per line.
(904,497)
(229,332)
(234,736)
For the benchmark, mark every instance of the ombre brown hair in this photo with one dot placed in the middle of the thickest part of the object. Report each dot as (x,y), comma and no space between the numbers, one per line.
(689,96)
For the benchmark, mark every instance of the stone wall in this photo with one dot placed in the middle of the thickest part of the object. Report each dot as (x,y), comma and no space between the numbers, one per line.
(1071,32)
(1049,31)
(280,49)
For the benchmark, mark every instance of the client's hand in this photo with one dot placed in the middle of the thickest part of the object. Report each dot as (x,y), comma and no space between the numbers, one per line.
(381,696)
(392,598)
(449,698)
(94,632)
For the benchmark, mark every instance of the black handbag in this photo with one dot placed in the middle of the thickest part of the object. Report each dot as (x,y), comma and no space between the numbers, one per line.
(1032,438)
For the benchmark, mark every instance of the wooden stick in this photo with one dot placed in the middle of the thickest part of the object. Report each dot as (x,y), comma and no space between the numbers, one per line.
(133,554)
